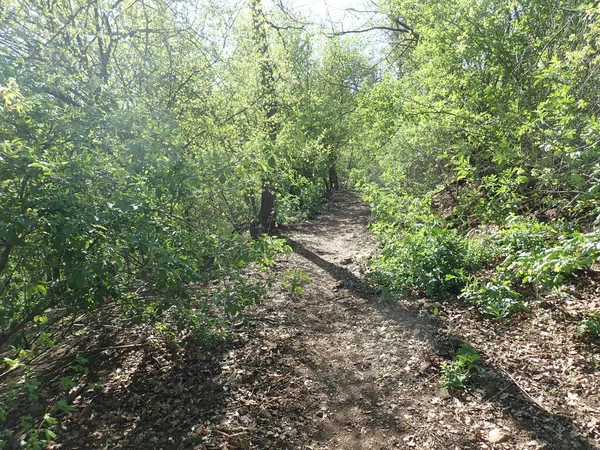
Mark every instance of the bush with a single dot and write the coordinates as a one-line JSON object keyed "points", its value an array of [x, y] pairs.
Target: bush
{"points": [[305, 202], [551, 266], [590, 326], [523, 234], [431, 260]]}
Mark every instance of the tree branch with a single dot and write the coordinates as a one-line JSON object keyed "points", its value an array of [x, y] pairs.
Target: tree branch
{"points": [[401, 29]]}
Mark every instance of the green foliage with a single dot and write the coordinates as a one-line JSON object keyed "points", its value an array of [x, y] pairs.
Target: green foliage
{"points": [[521, 234], [134, 151], [551, 266], [132, 177], [464, 365], [589, 328], [294, 281], [431, 260], [460, 136], [494, 298], [305, 201], [38, 430], [420, 253]]}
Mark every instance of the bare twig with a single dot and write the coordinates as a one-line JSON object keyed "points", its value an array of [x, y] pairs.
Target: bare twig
{"points": [[529, 396]]}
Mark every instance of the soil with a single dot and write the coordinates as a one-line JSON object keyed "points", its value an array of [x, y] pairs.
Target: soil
{"points": [[340, 367]]}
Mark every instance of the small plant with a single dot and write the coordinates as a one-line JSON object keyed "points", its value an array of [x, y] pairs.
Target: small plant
{"points": [[465, 364], [494, 298], [523, 234], [590, 326], [26, 413], [294, 281]]}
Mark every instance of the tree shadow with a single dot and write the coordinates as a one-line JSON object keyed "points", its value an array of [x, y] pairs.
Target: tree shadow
{"points": [[350, 404], [150, 397], [340, 273], [555, 430]]}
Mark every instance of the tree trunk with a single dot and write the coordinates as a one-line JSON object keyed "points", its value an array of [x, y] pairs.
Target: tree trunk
{"points": [[266, 214], [333, 179], [4, 256], [265, 220]]}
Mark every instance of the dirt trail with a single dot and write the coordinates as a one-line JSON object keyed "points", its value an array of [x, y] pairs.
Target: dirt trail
{"points": [[347, 364], [338, 369], [348, 361], [333, 368]]}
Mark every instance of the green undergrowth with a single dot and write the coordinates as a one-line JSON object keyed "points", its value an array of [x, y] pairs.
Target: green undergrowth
{"points": [[460, 370], [499, 267]]}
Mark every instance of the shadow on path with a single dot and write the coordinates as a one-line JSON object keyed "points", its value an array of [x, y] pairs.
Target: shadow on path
{"points": [[556, 431], [338, 272]]}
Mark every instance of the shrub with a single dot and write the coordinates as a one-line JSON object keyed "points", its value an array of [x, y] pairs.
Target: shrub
{"points": [[305, 202], [523, 234], [590, 326], [550, 266], [465, 364], [494, 298], [431, 260]]}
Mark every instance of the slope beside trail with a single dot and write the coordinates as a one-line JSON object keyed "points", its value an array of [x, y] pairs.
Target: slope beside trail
{"points": [[333, 368]]}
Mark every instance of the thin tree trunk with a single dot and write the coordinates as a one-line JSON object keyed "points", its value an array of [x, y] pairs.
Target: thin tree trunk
{"points": [[265, 219], [4, 256], [333, 179]]}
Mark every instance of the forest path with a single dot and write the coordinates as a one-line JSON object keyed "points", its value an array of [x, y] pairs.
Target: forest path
{"points": [[348, 363], [344, 370], [333, 368], [346, 357]]}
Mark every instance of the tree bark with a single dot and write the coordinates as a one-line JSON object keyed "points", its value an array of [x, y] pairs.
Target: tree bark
{"points": [[333, 179]]}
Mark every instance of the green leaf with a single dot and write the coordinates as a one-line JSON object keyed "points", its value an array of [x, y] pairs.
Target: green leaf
{"points": [[271, 162], [50, 421], [38, 165], [40, 319], [11, 362], [63, 406], [13, 238], [41, 289], [50, 435]]}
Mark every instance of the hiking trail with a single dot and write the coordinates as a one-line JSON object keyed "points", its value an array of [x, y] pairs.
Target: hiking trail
{"points": [[332, 368]]}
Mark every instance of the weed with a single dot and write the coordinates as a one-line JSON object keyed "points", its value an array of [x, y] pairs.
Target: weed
{"points": [[465, 364], [494, 298], [590, 326]]}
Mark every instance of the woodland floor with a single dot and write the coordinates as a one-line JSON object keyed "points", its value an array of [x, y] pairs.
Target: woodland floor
{"points": [[337, 368]]}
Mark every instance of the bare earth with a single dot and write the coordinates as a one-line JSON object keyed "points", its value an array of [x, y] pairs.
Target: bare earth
{"points": [[333, 368]]}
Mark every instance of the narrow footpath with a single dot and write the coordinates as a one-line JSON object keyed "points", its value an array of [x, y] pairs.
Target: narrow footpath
{"points": [[337, 368], [333, 368]]}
